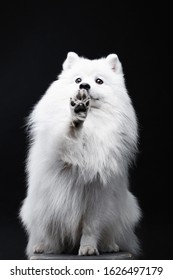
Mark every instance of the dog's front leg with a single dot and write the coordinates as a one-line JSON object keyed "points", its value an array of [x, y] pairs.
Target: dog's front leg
{"points": [[88, 243]]}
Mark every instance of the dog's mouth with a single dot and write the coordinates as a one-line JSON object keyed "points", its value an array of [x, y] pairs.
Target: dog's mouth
{"points": [[95, 102], [95, 99], [92, 97]]}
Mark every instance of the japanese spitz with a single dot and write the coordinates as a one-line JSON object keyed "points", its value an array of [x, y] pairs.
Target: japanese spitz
{"points": [[83, 139]]}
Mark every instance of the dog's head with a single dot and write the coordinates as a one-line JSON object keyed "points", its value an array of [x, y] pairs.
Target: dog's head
{"points": [[100, 77]]}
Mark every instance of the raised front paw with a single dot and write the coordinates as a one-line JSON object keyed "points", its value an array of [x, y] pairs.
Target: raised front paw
{"points": [[79, 106], [88, 250]]}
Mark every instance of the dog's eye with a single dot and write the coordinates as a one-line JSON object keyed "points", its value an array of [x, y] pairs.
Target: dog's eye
{"points": [[99, 81], [78, 80]]}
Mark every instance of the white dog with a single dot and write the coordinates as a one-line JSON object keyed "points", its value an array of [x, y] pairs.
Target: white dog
{"points": [[83, 138]]}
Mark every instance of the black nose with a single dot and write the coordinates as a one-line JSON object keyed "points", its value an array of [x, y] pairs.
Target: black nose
{"points": [[84, 86]]}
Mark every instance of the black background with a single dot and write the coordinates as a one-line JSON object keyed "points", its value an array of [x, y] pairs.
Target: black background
{"points": [[34, 41]]}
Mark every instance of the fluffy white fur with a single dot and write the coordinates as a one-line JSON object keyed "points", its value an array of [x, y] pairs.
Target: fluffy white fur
{"points": [[78, 194]]}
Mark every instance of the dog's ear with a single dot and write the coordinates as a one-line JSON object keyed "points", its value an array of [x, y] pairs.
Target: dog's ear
{"points": [[114, 63], [71, 58]]}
